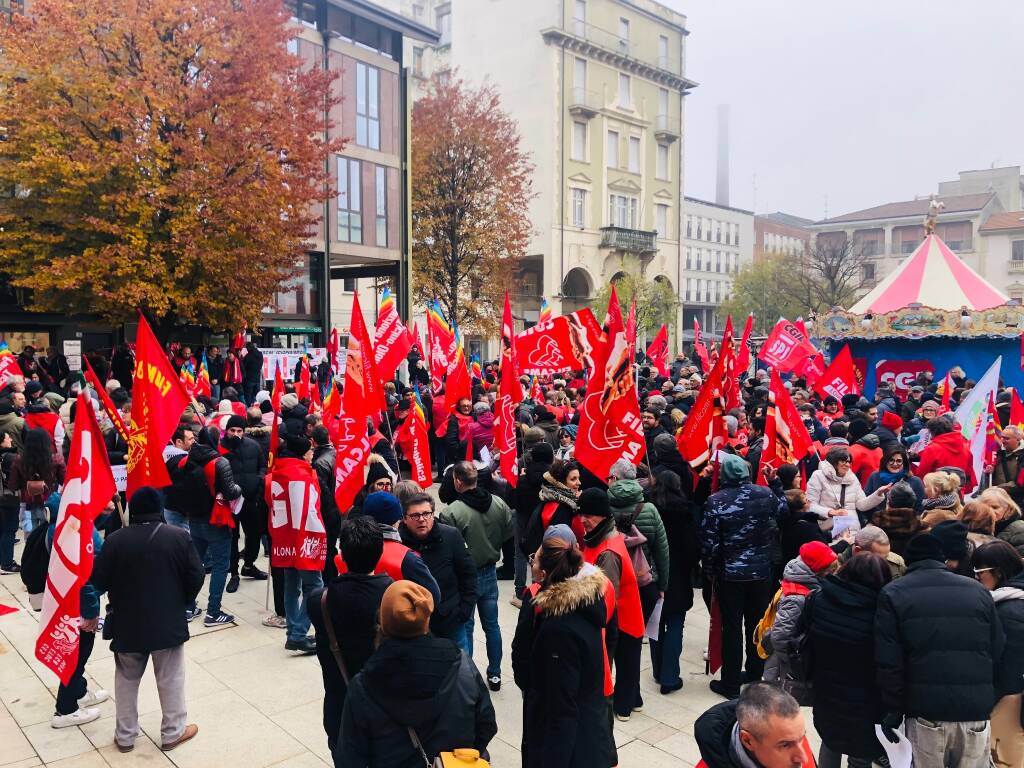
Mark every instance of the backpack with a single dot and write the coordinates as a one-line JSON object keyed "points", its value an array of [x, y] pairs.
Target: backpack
{"points": [[35, 560], [764, 626], [641, 567]]}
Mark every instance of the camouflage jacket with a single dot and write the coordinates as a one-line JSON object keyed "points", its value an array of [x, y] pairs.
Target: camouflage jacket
{"points": [[737, 530]]}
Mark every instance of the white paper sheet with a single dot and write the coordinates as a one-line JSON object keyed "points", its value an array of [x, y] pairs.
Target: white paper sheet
{"points": [[901, 754], [653, 628], [841, 523]]}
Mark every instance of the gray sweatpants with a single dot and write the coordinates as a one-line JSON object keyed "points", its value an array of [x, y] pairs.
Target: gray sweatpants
{"points": [[949, 744], [169, 668]]}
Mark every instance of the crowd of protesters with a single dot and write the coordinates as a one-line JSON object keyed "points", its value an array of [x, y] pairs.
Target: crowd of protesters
{"points": [[878, 581]]}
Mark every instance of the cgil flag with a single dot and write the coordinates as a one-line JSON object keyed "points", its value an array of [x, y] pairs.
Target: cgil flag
{"points": [[704, 430], [441, 341], [786, 347], [657, 351], [510, 394], [567, 342], [158, 400], [840, 378], [88, 486], [8, 365], [391, 341], [786, 439]]}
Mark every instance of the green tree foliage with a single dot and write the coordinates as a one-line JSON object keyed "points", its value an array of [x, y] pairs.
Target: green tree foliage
{"points": [[656, 302]]}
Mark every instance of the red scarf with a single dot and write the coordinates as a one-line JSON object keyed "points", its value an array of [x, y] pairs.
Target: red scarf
{"points": [[297, 532]]}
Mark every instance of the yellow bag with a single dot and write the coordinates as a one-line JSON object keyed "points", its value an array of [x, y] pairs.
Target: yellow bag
{"points": [[461, 758], [764, 626]]}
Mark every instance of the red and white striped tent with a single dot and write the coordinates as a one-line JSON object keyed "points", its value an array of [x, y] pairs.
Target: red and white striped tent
{"points": [[934, 277]]}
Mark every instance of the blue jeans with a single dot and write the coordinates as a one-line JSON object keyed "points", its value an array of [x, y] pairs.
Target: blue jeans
{"points": [[215, 541], [665, 651], [487, 604], [297, 586], [215, 393], [176, 519]]}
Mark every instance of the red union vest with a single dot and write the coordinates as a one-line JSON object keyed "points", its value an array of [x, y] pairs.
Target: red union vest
{"points": [[631, 615], [390, 560], [548, 511], [609, 603]]}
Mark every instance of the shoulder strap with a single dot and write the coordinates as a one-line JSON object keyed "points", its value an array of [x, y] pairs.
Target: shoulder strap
{"points": [[842, 496], [332, 637], [419, 746]]}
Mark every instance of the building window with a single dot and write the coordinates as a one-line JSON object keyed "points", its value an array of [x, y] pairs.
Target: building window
{"points": [[661, 221], [622, 211], [624, 100], [661, 166], [579, 17], [1017, 250], [293, 42], [689, 226], [367, 106], [579, 141], [417, 11], [700, 224], [348, 284], [718, 231], [869, 272], [350, 221], [417, 61], [663, 51], [634, 154], [613, 149], [624, 35], [689, 288], [579, 207], [579, 76], [381, 181], [444, 26], [736, 237], [688, 259], [663, 103]]}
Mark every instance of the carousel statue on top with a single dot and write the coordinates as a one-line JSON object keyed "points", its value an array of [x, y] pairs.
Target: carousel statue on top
{"points": [[934, 209]]}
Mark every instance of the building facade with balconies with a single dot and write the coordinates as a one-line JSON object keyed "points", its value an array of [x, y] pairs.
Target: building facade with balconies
{"points": [[717, 241], [884, 235], [598, 89], [780, 233]]}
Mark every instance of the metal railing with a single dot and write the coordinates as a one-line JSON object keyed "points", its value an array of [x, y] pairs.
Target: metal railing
{"points": [[631, 240], [613, 42]]}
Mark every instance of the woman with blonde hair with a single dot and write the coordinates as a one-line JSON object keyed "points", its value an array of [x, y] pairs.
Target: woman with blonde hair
{"points": [[941, 498], [1009, 526]]}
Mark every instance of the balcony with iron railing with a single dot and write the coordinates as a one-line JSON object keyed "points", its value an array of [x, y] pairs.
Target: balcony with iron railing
{"points": [[583, 103], [612, 42], [1015, 266], [666, 129], [629, 240]]}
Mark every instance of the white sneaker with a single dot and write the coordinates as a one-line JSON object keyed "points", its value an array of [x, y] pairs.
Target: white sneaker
{"points": [[81, 717], [92, 698], [706, 655]]}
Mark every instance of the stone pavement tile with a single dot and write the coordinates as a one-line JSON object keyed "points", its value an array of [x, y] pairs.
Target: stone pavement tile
{"points": [[508, 711], [305, 760], [53, 744], [305, 724], [14, 747], [638, 754], [657, 733], [88, 760], [12, 665], [198, 682], [230, 730], [145, 755], [210, 644], [28, 700], [32, 762], [270, 678], [681, 745], [502, 753]]}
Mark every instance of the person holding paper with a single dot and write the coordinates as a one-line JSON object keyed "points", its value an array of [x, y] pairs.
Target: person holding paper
{"points": [[834, 491]]}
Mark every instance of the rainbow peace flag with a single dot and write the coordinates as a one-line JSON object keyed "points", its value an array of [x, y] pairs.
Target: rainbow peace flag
{"points": [[545, 311]]}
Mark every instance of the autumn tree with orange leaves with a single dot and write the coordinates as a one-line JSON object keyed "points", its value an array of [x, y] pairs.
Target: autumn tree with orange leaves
{"points": [[470, 198], [164, 155]]}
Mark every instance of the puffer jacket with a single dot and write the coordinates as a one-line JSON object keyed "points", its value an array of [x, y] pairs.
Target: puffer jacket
{"points": [[948, 450], [1011, 530], [798, 581], [825, 492], [736, 532], [481, 432], [866, 456], [1009, 599], [626, 499], [194, 490]]}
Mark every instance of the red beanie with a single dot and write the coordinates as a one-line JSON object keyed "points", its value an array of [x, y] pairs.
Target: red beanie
{"points": [[891, 421], [818, 555]]}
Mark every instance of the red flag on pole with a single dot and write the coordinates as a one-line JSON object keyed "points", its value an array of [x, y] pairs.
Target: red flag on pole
{"points": [[699, 348], [352, 448], [947, 392], [786, 439], [1016, 411], [743, 356], [458, 385], [714, 662], [510, 394], [108, 405], [657, 351], [275, 403], [631, 325], [786, 347], [703, 431], [158, 400], [302, 385], [391, 341], [332, 349], [414, 437], [609, 427], [88, 486], [840, 378], [565, 342]]}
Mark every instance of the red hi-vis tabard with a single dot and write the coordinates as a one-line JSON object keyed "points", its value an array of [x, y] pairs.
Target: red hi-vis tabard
{"points": [[297, 530]]}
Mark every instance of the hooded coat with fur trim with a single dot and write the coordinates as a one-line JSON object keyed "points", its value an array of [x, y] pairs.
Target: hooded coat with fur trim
{"points": [[558, 661]]}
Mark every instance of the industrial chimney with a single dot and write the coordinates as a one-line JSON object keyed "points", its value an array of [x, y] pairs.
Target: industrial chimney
{"points": [[722, 184]]}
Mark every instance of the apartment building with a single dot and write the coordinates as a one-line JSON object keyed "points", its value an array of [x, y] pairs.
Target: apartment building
{"points": [[717, 241], [597, 87], [780, 233]]}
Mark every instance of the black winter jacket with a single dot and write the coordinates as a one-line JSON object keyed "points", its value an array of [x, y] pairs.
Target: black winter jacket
{"points": [[323, 465], [1009, 599], [679, 516], [424, 682], [558, 661], [840, 620], [528, 489], [353, 600], [445, 553], [261, 436], [713, 733], [248, 467], [151, 574], [194, 490], [252, 367], [938, 641]]}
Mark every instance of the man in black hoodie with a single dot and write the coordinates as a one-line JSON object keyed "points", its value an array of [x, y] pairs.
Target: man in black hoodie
{"points": [[538, 461], [485, 522], [249, 467], [414, 680]]}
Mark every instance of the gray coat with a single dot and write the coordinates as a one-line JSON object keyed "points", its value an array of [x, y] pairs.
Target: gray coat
{"points": [[785, 629]]}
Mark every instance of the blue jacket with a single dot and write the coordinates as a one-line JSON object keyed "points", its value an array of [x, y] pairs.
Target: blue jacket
{"points": [[90, 596], [737, 531]]}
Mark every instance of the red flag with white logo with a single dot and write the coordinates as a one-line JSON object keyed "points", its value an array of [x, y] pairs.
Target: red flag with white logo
{"points": [[743, 356], [840, 378], [88, 486], [352, 448], [414, 437], [567, 342], [297, 534], [391, 342], [657, 351], [609, 427], [786, 439], [510, 394], [704, 430], [786, 347]]}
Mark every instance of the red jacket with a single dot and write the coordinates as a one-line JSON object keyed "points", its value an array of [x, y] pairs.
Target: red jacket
{"points": [[948, 450], [864, 461]]}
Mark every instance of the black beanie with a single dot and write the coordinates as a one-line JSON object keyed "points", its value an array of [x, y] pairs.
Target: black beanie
{"points": [[543, 453], [858, 428], [145, 505], [378, 471], [594, 501], [234, 420], [923, 546], [297, 445], [952, 535], [266, 406]]}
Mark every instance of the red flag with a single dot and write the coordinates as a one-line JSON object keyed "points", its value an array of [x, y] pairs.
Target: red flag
{"points": [[657, 351], [390, 337], [568, 342], [108, 405], [314, 398], [786, 347], [352, 448], [730, 380], [302, 385], [238, 341], [442, 350], [786, 439], [609, 427], [414, 338], [458, 385], [631, 325], [743, 357], [947, 392], [88, 486], [1016, 411], [510, 394], [840, 378], [714, 662], [992, 428], [297, 534], [275, 402], [414, 438], [704, 431], [332, 349], [8, 365], [699, 348], [158, 400]]}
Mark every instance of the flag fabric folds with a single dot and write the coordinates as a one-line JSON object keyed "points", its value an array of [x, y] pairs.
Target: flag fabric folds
{"points": [[973, 416], [700, 348], [510, 394], [414, 437], [88, 486], [657, 351], [441, 341], [743, 356], [786, 347], [275, 403], [108, 405], [786, 439], [8, 364], [840, 378], [1016, 411], [567, 342], [391, 342], [704, 430]]}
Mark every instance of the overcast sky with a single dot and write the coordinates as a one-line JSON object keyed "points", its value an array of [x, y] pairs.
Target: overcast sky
{"points": [[850, 105]]}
